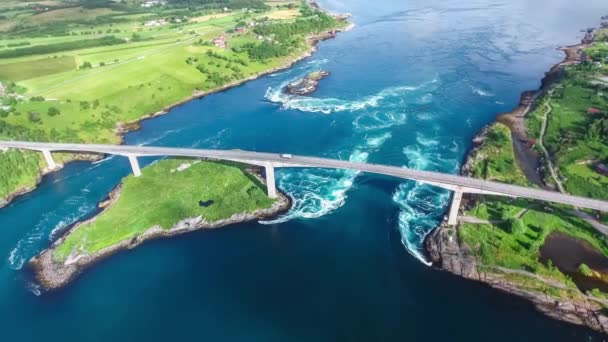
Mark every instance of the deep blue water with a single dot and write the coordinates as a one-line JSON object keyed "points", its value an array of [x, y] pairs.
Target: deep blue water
{"points": [[410, 86]]}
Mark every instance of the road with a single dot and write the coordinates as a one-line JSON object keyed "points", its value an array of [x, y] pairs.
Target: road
{"points": [[447, 181]]}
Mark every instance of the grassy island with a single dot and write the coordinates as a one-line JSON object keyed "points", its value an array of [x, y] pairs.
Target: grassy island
{"points": [[168, 192], [172, 196], [85, 71]]}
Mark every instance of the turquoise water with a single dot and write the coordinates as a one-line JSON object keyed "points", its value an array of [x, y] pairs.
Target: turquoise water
{"points": [[410, 86]]}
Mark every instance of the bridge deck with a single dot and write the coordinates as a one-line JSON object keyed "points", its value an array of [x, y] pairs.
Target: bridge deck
{"points": [[448, 181]]}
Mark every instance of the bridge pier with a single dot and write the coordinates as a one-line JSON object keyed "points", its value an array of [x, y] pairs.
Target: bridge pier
{"points": [[134, 165], [455, 206], [270, 182], [50, 162]]}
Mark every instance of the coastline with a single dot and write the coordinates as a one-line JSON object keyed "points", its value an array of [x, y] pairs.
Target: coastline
{"points": [[448, 253], [53, 275], [130, 126]]}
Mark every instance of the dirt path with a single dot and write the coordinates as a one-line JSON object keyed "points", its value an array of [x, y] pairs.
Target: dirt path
{"points": [[540, 142]]}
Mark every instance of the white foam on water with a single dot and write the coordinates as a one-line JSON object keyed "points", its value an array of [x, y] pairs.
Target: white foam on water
{"points": [[421, 207], [317, 192], [160, 137], [377, 141], [425, 141], [378, 121], [34, 288], [425, 116], [333, 105], [481, 92], [51, 224]]}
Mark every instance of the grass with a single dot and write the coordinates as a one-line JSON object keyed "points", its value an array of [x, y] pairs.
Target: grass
{"points": [[20, 71], [574, 138], [176, 197], [501, 245], [495, 159]]}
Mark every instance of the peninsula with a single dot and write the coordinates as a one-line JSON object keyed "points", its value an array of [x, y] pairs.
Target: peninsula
{"points": [[557, 138]]}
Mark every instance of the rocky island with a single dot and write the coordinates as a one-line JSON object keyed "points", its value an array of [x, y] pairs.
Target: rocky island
{"points": [[193, 195], [306, 85]]}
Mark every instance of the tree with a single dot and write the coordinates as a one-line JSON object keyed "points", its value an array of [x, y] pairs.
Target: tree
{"points": [[33, 116], [52, 111]]}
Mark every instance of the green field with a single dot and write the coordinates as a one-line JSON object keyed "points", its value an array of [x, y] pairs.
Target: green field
{"points": [[19, 71], [576, 139], [176, 197], [517, 228], [502, 166], [74, 74]]}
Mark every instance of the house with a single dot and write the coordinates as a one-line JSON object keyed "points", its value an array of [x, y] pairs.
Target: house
{"points": [[151, 3], [220, 42], [593, 111], [602, 169], [155, 23]]}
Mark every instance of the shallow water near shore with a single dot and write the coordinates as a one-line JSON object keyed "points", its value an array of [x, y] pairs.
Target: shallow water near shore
{"points": [[410, 86]]}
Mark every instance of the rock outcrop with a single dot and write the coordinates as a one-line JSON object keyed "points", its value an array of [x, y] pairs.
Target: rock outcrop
{"points": [[306, 85]]}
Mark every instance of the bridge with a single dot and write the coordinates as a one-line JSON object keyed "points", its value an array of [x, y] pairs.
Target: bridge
{"points": [[270, 161]]}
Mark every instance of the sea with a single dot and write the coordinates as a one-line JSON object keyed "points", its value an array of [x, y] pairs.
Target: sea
{"points": [[410, 86]]}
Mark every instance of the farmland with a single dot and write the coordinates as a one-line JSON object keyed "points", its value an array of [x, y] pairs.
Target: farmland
{"points": [[75, 72]]}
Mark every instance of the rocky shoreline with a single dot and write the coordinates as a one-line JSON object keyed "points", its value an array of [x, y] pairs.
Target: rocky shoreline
{"points": [[130, 126], [51, 274], [449, 254]]}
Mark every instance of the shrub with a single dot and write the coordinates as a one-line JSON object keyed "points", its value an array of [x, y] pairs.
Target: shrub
{"points": [[585, 270], [33, 116], [52, 111]]}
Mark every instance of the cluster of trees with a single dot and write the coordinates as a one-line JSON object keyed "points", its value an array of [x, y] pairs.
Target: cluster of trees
{"points": [[282, 31], [212, 54], [58, 47], [598, 129], [265, 50], [286, 36], [220, 4]]}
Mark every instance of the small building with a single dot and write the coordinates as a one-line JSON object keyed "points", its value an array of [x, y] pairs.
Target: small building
{"points": [[220, 42], [602, 169], [593, 111], [240, 30]]}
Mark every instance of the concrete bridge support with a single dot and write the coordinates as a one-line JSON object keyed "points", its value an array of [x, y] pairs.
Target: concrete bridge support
{"points": [[134, 165], [50, 162], [453, 216], [270, 182]]}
